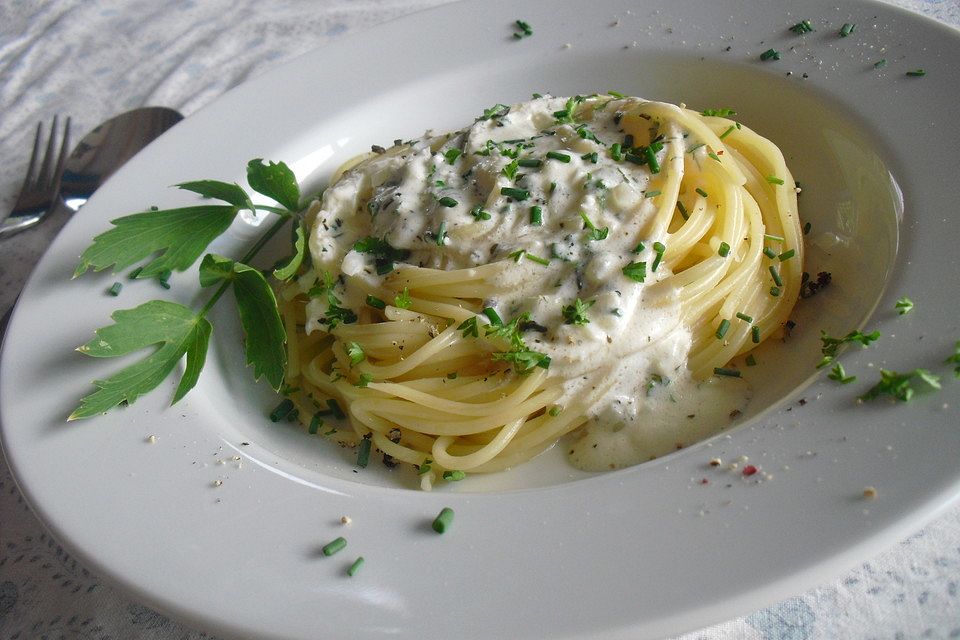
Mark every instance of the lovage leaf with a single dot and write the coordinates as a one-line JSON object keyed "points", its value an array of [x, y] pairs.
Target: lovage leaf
{"points": [[265, 338], [274, 180], [288, 270], [179, 235], [227, 191], [175, 328]]}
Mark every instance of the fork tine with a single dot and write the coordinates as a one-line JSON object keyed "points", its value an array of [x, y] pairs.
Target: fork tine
{"points": [[62, 158], [33, 157], [44, 177]]}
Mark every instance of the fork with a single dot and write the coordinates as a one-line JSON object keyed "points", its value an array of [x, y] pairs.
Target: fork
{"points": [[39, 190]]}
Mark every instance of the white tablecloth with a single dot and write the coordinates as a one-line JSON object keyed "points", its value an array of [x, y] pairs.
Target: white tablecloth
{"points": [[95, 58]]}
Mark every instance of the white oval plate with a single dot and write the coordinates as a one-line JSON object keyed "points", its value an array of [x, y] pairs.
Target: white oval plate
{"points": [[540, 553]]}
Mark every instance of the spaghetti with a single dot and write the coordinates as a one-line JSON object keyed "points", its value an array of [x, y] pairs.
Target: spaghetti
{"points": [[474, 296]]}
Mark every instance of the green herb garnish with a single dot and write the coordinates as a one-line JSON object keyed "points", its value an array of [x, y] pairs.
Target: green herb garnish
{"points": [[524, 30], [840, 375], [904, 306], [900, 386], [576, 313], [636, 271], [172, 240], [831, 345]]}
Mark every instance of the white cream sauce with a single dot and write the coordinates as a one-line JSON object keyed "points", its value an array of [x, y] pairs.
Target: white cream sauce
{"points": [[441, 198]]}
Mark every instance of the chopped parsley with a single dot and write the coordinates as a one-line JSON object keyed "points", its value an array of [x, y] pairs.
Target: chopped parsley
{"points": [[636, 271], [904, 306], [384, 254], [840, 375], [576, 313], [402, 299], [355, 353], [900, 386], [830, 345]]}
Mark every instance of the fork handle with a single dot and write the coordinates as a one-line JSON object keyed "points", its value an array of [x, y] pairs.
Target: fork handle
{"points": [[15, 224]]}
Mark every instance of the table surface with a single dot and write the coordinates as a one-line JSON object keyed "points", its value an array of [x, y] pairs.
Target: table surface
{"points": [[94, 58]]}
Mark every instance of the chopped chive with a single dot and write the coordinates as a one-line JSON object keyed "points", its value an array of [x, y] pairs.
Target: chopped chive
{"points": [[441, 234], [556, 155], [315, 423], [114, 289], [638, 249], [537, 259], [454, 476], [770, 253], [334, 546], [616, 152], [919, 73], [683, 210], [164, 279], [727, 132], [335, 407], [491, 314], [775, 292], [628, 141], [282, 410], [524, 29], [355, 566], [774, 180], [777, 280], [713, 155], [724, 250], [591, 157], [536, 215], [701, 192], [443, 520], [744, 317], [652, 194], [847, 29], [786, 255], [133, 275], [447, 201], [530, 163], [451, 155], [770, 54], [652, 160], [755, 334], [802, 27], [751, 361], [516, 194], [363, 452], [635, 159], [554, 411], [879, 64], [730, 373], [773, 238], [659, 248], [723, 328], [376, 303]]}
